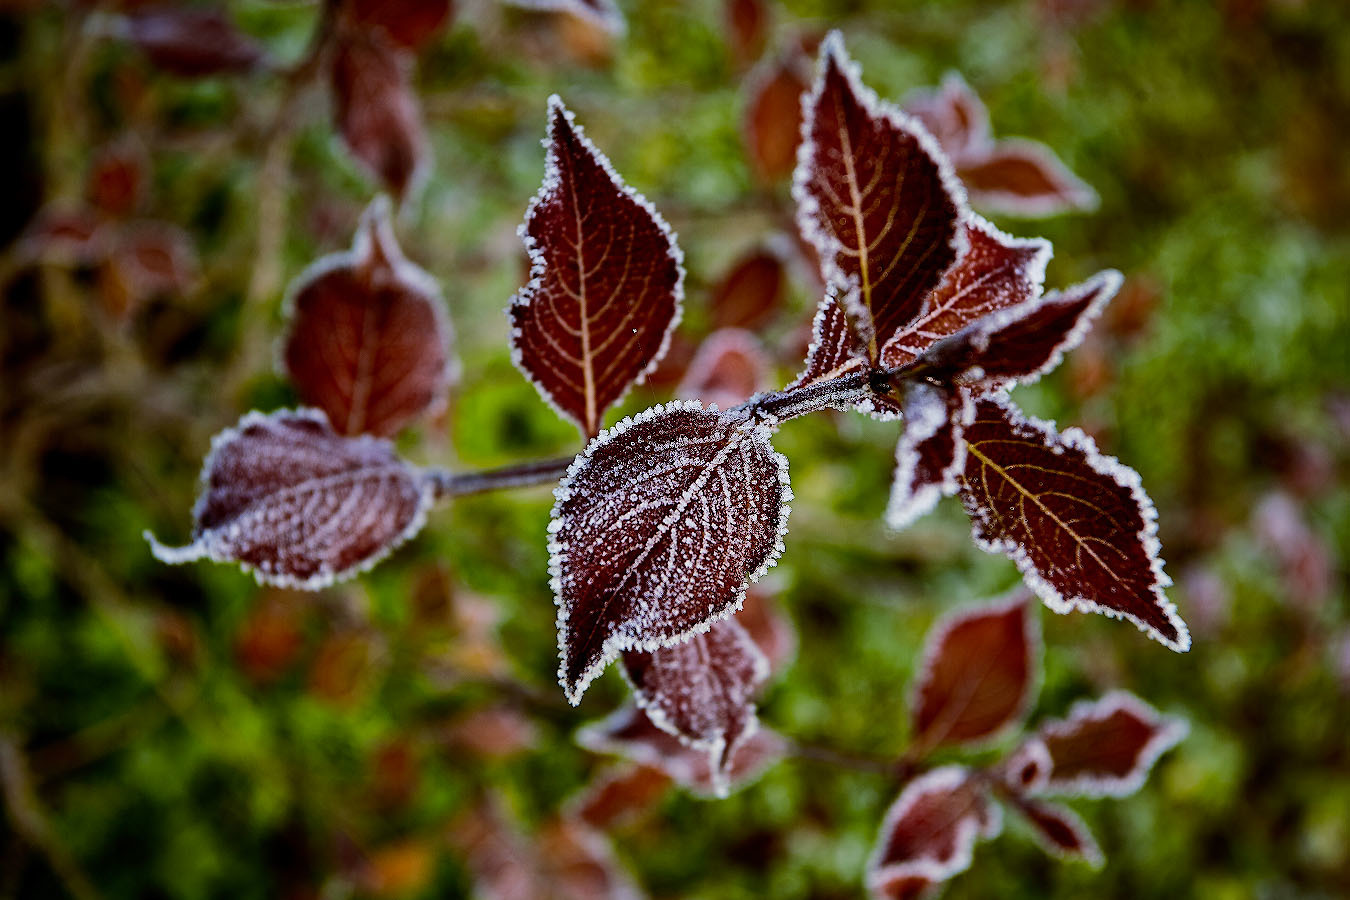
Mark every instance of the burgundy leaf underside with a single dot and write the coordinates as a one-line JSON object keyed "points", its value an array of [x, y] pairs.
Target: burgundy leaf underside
{"points": [[1059, 830], [1106, 747], [729, 368], [302, 506], [1076, 523], [875, 197], [606, 281], [931, 452], [657, 528], [977, 675], [367, 343]]}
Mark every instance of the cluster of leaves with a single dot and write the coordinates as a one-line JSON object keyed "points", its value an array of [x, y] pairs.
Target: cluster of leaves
{"points": [[930, 315]]}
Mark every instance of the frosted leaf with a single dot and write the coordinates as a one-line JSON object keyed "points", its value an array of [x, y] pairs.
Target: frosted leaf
{"points": [[751, 294], [618, 795], [1026, 769], [376, 109], [657, 529], [1076, 522], [409, 23], [835, 350], [702, 690], [368, 336], [192, 42], [1018, 345], [995, 272], [1024, 178], [629, 733], [299, 505], [1106, 747], [931, 453], [977, 676], [1059, 830], [606, 281], [929, 833], [729, 368], [954, 115], [773, 113], [876, 197]]}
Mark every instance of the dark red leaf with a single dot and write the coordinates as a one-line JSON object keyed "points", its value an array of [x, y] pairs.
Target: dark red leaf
{"points": [[1018, 345], [931, 453], [629, 733], [748, 23], [769, 627], [1024, 178], [729, 368], [1107, 747], [154, 258], [299, 505], [619, 795], [376, 109], [606, 282], [116, 181], [1026, 769], [65, 236], [192, 42], [410, 23], [752, 293], [602, 13], [876, 197], [702, 690], [835, 350], [492, 732], [954, 115], [1059, 830], [977, 675], [368, 341], [773, 114], [1076, 522], [929, 832], [995, 272], [658, 526]]}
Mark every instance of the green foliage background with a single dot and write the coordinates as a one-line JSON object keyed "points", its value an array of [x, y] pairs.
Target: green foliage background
{"points": [[158, 765]]}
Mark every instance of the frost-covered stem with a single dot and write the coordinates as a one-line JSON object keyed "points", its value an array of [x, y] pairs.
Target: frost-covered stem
{"points": [[846, 390], [452, 484]]}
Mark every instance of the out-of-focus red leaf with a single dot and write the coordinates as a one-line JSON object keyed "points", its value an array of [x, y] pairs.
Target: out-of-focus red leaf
{"points": [[376, 109], [954, 115], [368, 341], [395, 774], [266, 644], [301, 506], [116, 180], [192, 42], [1059, 831], [769, 627], [147, 259], [729, 368], [929, 832], [747, 24], [494, 732], [701, 498], [876, 197], [344, 667], [1107, 747], [619, 795], [773, 114], [1076, 522], [1305, 560], [604, 14], [66, 237], [606, 282], [673, 365], [410, 23], [1024, 178], [978, 671], [751, 294]]}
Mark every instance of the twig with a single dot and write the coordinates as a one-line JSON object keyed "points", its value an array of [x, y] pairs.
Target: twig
{"points": [[450, 484]]}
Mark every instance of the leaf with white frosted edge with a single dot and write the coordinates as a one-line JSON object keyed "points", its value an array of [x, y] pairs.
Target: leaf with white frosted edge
{"points": [[929, 832], [931, 453], [1076, 522], [658, 527], [376, 109], [1024, 178], [996, 272], [606, 281], [954, 115], [729, 368], [1059, 830], [300, 505], [1027, 769], [604, 13], [1106, 747], [628, 732], [702, 690], [876, 197], [1019, 345], [773, 111], [368, 335], [618, 795], [977, 676], [835, 350]]}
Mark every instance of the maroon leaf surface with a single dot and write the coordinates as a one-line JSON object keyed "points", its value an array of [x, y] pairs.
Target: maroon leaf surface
{"points": [[299, 505], [619, 795], [117, 178], [657, 529], [629, 733], [834, 350], [747, 24], [702, 690], [995, 272], [192, 42], [1075, 521], [955, 116], [769, 627], [409, 23], [931, 453], [729, 368], [751, 294], [368, 341], [876, 198], [603, 13], [1059, 831], [1024, 178], [773, 113], [1106, 747], [376, 109], [977, 676], [606, 281], [929, 832]]}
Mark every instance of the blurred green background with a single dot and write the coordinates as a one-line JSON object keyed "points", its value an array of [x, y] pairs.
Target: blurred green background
{"points": [[181, 732]]}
